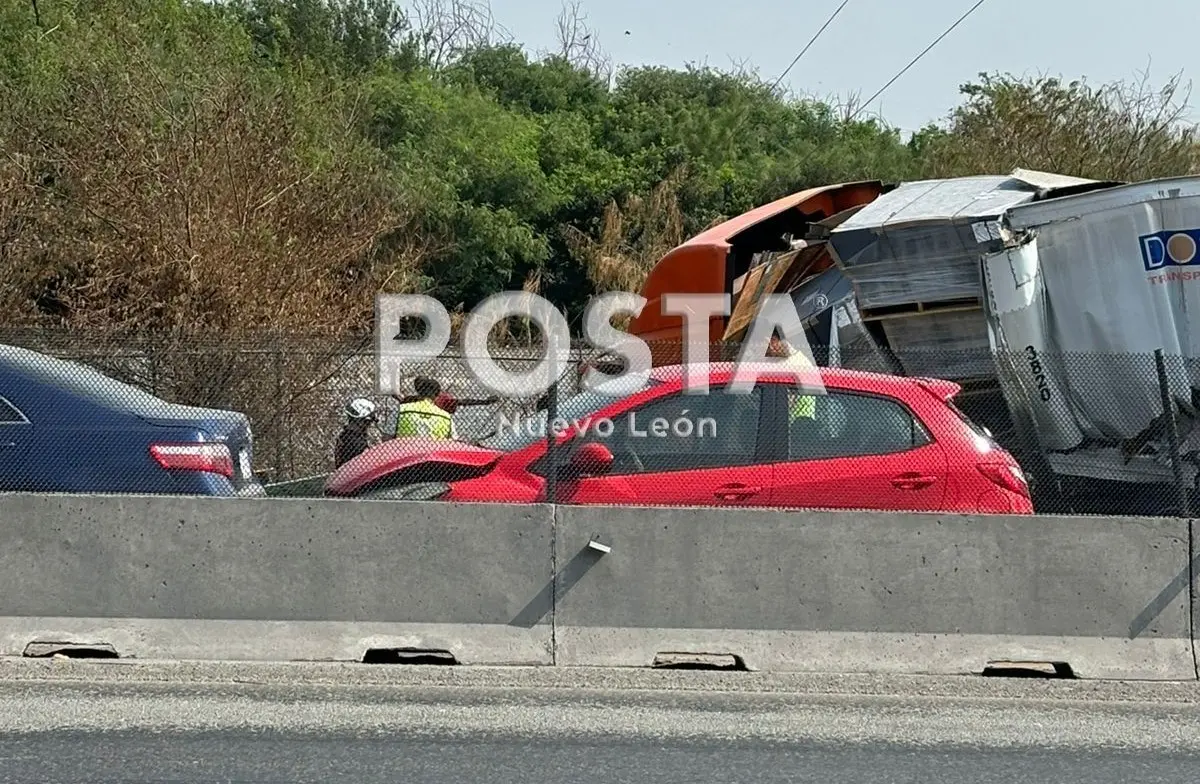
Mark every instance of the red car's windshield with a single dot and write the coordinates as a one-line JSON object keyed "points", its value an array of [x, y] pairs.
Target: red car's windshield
{"points": [[509, 436]]}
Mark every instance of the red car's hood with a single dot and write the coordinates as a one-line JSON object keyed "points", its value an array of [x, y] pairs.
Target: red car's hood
{"points": [[400, 453]]}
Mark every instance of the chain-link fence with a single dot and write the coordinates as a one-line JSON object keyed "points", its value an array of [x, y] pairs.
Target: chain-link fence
{"points": [[1084, 433]]}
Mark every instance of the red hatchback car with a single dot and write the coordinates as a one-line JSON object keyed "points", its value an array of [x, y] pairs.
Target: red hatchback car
{"points": [[867, 441]]}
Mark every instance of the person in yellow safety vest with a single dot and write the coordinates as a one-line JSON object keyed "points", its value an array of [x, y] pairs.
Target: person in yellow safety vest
{"points": [[423, 417], [802, 406]]}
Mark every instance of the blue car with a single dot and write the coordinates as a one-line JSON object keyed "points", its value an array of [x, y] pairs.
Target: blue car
{"points": [[68, 428]]}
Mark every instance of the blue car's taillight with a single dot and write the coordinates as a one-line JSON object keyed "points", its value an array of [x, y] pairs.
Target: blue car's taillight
{"points": [[209, 458]]}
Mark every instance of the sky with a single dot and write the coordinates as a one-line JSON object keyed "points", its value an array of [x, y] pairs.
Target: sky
{"points": [[870, 41]]}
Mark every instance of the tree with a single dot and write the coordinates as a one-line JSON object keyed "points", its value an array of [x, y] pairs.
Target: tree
{"points": [[350, 36], [168, 161], [447, 30], [578, 45], [1115, 131]]}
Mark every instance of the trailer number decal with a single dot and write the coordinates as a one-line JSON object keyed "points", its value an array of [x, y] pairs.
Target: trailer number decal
{"points": [[1035, 367]]}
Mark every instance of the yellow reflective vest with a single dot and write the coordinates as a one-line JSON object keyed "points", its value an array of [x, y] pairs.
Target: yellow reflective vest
{"points": [[803, 406], [423, 418]]}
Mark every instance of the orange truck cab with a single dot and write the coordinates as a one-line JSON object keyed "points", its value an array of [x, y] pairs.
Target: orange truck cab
{"points": [[719, 259]]}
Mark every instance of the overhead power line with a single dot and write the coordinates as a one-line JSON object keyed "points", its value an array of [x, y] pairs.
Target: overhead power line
{"points": [[917, 59], [811, 41]]}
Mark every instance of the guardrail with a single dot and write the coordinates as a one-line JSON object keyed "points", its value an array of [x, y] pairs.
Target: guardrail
{"points": [[321, 579]]}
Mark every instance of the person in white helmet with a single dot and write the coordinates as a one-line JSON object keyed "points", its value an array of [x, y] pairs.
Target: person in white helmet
{"points": [[357, 434]]}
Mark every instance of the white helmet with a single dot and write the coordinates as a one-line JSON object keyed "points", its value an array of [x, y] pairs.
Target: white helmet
{"points": [[360, 408]]}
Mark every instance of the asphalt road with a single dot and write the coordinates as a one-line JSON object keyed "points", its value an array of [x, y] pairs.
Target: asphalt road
{"points": [[358, 724]]}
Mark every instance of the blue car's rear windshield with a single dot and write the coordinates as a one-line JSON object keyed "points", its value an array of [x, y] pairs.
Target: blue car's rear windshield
{"points": [[80, 380]]}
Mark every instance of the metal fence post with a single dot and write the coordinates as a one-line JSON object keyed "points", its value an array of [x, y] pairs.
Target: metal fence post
{"points": [[1172, 432], [152, 355], [551, 443], [277, 363]]}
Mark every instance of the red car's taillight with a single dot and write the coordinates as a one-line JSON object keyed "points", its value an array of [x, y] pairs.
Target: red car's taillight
{"points": [[210, 458], [1006, 475]]}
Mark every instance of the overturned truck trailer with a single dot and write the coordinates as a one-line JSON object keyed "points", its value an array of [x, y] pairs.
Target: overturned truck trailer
{"points": [[1087, 289], [913, 257]]}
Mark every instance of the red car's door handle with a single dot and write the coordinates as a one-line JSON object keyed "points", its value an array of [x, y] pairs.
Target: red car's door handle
{"points": [[736, 492], [913, 481]]}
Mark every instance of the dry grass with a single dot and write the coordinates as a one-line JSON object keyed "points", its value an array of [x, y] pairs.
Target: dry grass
{"points": [[634, 235], [153, 214]]}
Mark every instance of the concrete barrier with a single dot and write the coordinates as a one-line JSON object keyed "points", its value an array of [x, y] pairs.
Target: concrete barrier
{"points": [[294, 579], [274, 579], [869, 592], [1192, 588]]}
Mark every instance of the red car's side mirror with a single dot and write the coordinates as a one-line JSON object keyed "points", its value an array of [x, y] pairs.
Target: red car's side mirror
{"points": [[590, 459]]}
